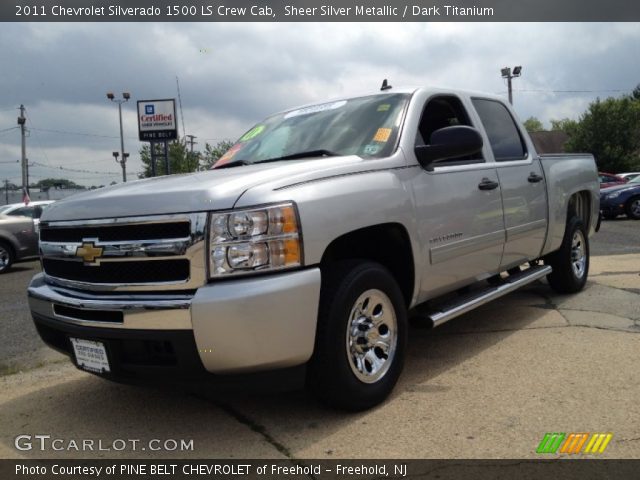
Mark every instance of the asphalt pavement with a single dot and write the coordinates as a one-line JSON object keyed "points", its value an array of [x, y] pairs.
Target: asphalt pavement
{"points": [[489, 384]]}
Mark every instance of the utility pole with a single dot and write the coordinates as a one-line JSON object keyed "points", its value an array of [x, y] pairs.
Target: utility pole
{"points": [[506, 73], [191, 141], [6, 191], [25, 172]]}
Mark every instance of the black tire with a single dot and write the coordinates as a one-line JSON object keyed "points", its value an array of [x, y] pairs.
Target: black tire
{"points": [[632, 208], [334, 375], [6, 257], [569, 274]]}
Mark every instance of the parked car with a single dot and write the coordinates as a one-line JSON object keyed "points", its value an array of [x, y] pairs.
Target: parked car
{"points": [[629, 175], [609, 180], [33, 209], [621, 200], [18, 240], [298, 258]]}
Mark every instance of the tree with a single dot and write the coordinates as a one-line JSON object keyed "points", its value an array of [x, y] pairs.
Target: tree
{"points": [[565, 125], [213, 153], [610, 130], [180, 160], [56, 183], [532, 124]]}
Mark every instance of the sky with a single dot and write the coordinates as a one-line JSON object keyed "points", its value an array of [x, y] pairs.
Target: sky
{"points": [[232, 75]]}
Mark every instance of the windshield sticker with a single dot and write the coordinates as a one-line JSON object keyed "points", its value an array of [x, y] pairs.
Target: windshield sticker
{"points": [[254, 132], [228, 156], [384, 107], [382, 135], [371, 149], [316, 108]]}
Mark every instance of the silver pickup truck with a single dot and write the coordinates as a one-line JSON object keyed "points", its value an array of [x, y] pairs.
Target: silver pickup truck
{"points": [[299, 258]]}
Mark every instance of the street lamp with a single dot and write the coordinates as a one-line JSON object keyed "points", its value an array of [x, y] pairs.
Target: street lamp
{"points": [[125, 98], [508, 74]]}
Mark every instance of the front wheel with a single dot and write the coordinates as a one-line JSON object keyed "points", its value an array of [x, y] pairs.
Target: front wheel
{"points": [[571, 262], [361, 337]]}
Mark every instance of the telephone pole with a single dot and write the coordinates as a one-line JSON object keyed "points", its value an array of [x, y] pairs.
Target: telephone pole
{"points": [[25, 168], [6, 191], [191, 141]]}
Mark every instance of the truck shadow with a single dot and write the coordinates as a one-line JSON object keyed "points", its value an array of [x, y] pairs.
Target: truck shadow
{"points": [[266, 426]]}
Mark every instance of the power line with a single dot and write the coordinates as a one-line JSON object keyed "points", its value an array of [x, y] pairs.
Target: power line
{"points": [[76, 170], [8, 129], [82, 134]]}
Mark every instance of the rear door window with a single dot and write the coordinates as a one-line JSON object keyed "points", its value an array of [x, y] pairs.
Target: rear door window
{"points": [[504, 136]]}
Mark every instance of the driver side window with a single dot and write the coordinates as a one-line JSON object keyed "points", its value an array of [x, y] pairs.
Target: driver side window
{"points": [[441, 112]]}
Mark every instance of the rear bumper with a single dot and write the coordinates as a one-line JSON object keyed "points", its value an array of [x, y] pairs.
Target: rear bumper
{"points": [[238, 326]]}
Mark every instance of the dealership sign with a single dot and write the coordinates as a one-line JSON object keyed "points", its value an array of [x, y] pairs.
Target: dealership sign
{"points": [[157, 120]]}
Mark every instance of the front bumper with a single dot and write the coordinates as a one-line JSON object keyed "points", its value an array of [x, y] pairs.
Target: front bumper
{"points": [[236, 326]]}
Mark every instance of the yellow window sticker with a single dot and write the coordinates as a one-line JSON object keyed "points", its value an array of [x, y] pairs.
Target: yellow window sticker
{"points": [[384, 107], [382, 135], [254, 132]]}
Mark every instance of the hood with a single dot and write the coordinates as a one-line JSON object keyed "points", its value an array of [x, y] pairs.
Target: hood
{"points": [[620, 188], [195, 192]]}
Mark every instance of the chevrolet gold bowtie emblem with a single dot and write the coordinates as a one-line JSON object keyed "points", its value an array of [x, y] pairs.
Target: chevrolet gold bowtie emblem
{"points": [[89, 252]]}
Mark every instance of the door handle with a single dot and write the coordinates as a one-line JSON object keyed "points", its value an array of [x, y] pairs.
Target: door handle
{"points": [[535, 178], [487, 184]]}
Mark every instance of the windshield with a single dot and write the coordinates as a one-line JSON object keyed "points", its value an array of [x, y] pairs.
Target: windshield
{"points": [[4, 209], [634, 180], [365, 126]]}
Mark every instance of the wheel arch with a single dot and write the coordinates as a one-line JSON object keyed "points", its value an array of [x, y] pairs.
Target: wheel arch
{"points": [[387, 243]]}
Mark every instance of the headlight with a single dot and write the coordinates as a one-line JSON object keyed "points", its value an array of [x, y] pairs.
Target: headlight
{"points": [[611, 196], [254, 240]]}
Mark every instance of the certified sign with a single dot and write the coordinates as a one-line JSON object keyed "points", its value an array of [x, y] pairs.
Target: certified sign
{"points": [[157, 120]]}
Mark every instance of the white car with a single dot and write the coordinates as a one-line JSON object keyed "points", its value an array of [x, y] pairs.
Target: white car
{"points": [[32, 210], [629, 175]]}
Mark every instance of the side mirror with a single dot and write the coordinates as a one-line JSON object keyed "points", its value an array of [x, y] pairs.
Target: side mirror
{"points": [[449, 142]]}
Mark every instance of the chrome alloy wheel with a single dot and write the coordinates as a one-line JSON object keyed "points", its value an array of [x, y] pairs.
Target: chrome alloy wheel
{"points": [[578, 254], [635, 207], [372, 336], [4, 258]]}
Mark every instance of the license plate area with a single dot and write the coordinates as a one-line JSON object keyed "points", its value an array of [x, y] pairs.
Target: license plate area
{"points": [[90, 355]]}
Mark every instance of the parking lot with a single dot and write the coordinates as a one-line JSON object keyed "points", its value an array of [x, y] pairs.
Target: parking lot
{"points": [[489, 384]]}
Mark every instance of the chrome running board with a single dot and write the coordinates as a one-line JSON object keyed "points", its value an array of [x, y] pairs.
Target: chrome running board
{"points": [[444, 313]]}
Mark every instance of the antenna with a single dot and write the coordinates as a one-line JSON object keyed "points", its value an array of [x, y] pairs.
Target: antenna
{"points": [[184, 129], [385, 85]]}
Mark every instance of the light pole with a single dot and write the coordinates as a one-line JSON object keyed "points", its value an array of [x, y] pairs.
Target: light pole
{"points": [[125, 98], [508, 74]]}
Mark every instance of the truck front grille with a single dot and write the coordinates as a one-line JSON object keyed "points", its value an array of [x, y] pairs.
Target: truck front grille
{"points": [[149, 231], [159, 271], [126, 254]]}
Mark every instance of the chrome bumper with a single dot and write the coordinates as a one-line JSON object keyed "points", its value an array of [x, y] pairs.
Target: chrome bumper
{"points": [[242, 325]]}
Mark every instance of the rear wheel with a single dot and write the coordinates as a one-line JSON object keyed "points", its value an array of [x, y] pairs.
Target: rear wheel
{"points": [[571, 262], [361, 337], [632, 208], [6, 257]]}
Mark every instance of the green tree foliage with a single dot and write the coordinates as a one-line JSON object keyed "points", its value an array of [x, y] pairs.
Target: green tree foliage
{"points": [[610, 130], [181, 160], [532, 124], [213, 152], [566, 125], [56, 183]]}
